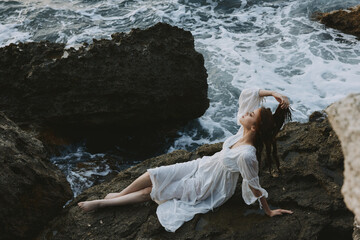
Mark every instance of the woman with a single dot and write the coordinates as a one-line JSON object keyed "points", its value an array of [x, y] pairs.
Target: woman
{"points": [[185, 189]]}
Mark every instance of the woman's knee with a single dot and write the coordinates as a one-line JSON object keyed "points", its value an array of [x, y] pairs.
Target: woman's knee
{"points": [[146, 175], [147, 190], [145, 193]]}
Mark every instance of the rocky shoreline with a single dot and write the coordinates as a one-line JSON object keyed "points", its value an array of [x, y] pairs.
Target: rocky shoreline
{"points": [[53, 82], [148, 82], [310, 183], [312, 175]]}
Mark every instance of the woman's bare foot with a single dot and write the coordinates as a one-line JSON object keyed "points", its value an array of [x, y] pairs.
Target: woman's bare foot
{"points": [[89, 205], [111, 195]]}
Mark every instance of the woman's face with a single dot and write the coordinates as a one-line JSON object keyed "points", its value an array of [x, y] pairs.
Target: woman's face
{"points": [[250, 118]]}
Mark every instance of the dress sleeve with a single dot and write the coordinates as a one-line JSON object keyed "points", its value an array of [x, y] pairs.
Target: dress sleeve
{"points": [[249, 100], [248, 167]]}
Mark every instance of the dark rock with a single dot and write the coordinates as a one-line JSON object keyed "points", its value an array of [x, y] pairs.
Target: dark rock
{"points": [[347, 21], [147, 81], [356, 233], [317, 116], [32, 189], [310, 183]]}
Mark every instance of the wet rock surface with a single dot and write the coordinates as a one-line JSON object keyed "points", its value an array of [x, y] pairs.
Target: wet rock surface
{"points": [[345, 20], [148, 81], [32, 189], [309, 185]]}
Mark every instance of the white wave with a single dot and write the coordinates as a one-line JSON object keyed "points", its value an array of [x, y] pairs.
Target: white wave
{"points": [[10, 34]]}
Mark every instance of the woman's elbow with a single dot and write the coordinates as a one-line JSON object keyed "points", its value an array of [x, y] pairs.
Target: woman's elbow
{"points": [[257, 193]]}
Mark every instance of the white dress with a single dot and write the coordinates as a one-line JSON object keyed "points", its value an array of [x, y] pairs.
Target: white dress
{"points": [[185, 189]]}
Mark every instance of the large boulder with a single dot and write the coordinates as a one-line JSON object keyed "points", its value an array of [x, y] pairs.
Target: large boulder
{"points": [[344, 117], [309, 185], [347, 21], [146, 80], [32, 190]]}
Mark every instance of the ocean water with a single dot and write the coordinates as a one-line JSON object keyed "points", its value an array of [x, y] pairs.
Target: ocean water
{"points": [[273, 45]]}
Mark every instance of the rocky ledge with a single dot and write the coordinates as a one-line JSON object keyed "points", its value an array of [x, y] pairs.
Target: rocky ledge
{"points": [[32, 189], [149, 80], [345, 20], [310, 183]]}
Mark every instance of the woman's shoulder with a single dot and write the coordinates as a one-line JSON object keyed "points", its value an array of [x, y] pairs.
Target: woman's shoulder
{"points": [[249, 153]]}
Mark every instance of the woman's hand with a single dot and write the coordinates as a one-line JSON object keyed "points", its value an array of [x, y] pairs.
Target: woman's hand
{"points": [[278, 212], [283, 100]]}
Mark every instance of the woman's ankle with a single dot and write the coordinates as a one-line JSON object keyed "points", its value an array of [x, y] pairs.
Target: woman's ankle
{"points": [[99, 203]]}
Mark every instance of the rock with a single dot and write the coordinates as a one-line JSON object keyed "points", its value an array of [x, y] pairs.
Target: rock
{"points": [[347, 21], [356, 233], [344, 117], [316, 117], [312, 165], [147, 81], [32, 189]]}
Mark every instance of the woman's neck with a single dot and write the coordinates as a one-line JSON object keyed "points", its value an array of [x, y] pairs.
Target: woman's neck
{"points": [[248, 137]]}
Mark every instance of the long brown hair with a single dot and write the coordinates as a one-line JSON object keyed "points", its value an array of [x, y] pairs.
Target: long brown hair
{"points": [[267, 127]]}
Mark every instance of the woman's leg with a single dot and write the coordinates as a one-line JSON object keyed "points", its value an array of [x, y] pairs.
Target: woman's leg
{"points": [[142, 195], [140, 183]]}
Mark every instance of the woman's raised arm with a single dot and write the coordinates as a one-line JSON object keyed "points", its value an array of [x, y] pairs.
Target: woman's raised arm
{"points": [[283, 100]]}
